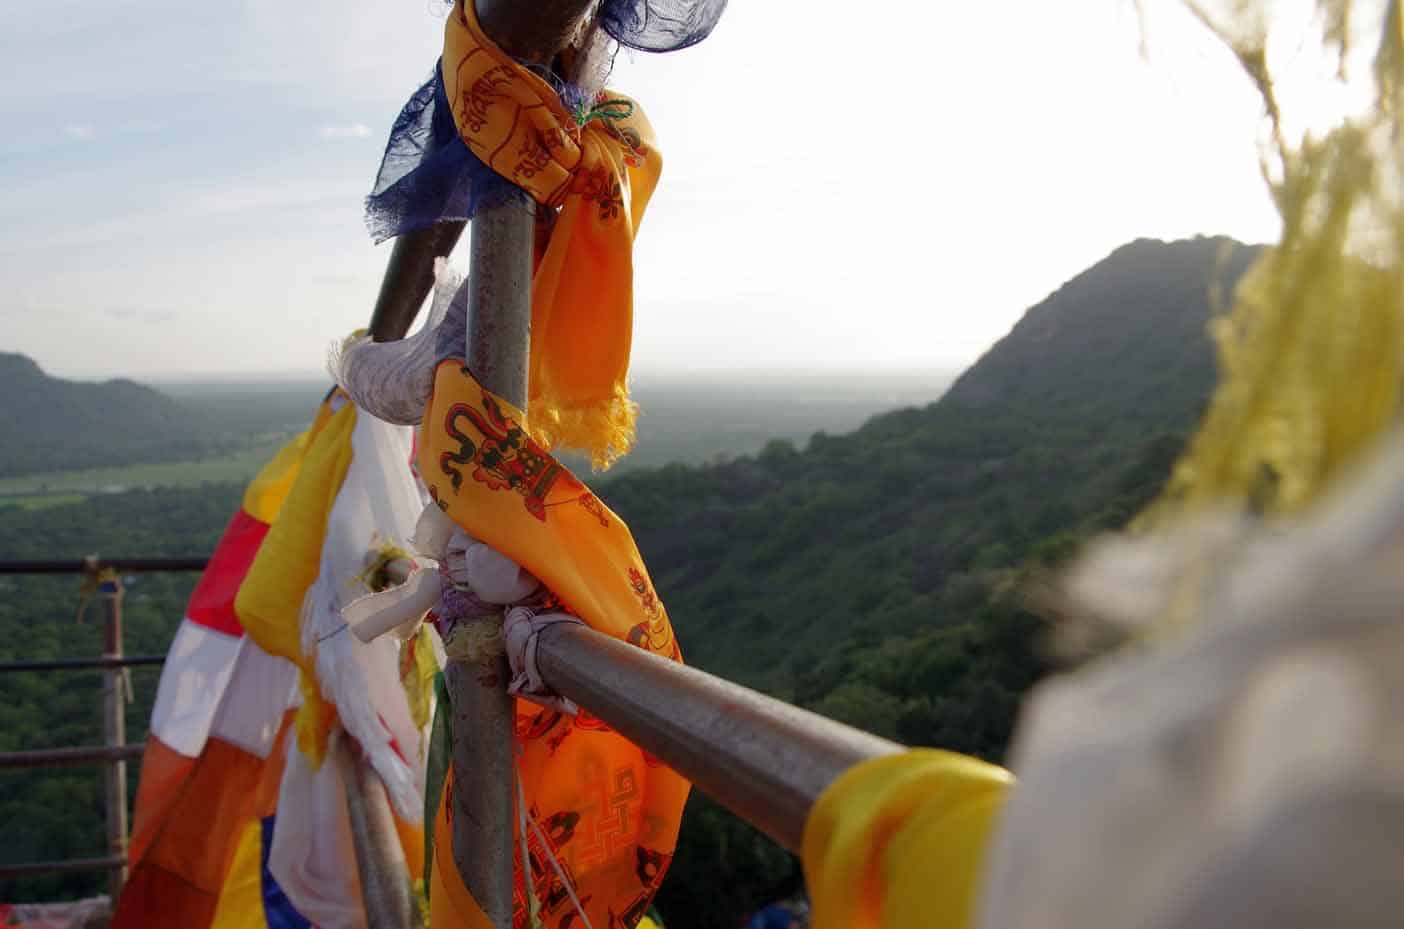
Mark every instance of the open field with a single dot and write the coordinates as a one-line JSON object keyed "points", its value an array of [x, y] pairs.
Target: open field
{"points": [[32, 490], [40, 502]]}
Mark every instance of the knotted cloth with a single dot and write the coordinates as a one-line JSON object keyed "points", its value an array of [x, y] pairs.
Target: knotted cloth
{"points": [[593, 171], [609, 811]]}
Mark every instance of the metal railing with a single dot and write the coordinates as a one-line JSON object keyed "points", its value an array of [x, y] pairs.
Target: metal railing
{"points": [[763, 759], [114, 753]]}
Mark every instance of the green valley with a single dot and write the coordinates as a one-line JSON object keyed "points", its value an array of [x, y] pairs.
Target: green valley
{"points": [[875, 575]]}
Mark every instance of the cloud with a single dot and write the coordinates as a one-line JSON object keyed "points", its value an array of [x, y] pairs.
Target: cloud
{"points": [[140, 314], [79, 133], [280, 194], [353, 131], [142, 126]]}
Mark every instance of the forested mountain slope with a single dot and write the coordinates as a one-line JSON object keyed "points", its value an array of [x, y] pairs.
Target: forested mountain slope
{"points": [[47, 423], [774, 564]]}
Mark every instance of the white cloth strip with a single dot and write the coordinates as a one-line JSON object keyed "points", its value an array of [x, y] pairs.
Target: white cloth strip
{"points": [[521, 631]]}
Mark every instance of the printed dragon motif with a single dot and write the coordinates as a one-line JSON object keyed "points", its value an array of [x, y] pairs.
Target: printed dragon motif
{"points": [[505, 458]]}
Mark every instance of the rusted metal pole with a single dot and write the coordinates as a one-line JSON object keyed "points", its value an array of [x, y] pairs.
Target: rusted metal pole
{"points": [[69, 757], [11, 871], [114, 731], [484, 779], [409, 276], [125, 565], [498, 337], [380, 861], [80, 664], [764, 760], [534, 32]]}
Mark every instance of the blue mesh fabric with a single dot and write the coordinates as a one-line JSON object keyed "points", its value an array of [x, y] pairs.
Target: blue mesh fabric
{"points": [[660, 25], [428, 175]]}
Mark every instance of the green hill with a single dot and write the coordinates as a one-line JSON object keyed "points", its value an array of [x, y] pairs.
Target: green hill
{"points": [[47, 423]]}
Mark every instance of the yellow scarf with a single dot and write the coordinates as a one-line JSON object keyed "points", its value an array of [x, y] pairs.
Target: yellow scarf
{"points": [[270, 598], [611, 811], [599, 170]]}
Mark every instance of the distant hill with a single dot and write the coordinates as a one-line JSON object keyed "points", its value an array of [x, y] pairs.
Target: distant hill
{"points": [[47, 423], [1132, 324]]}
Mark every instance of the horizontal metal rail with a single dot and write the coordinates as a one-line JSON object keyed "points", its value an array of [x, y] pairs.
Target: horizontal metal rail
{"points": [[8, 871], [124, 565], [70, 757], [80, 664], [761, 758], [765, 760]]}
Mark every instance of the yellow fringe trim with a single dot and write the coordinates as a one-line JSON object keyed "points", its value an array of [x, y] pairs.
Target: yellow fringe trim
{"points": [[477, 640], [605, 431]]}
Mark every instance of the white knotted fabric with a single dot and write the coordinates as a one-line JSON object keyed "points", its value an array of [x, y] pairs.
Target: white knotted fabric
{"points": [[491, 577], [312, 857], [521, 632], [393, 380]]}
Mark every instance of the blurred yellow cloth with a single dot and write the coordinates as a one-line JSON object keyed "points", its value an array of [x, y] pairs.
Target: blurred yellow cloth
{"points": [[899, 842], [264, 496], [270, 599], [1311, 356], [610, 812], [599, 166]]}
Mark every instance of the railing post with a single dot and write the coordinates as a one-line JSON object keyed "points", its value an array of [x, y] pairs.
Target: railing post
{"points": [[484, 785], [498, 336], [114, 729], [380, 861], [409, 276]]}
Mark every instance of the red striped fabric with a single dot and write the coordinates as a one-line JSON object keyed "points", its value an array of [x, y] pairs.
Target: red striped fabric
{"points": [[212, 603]]}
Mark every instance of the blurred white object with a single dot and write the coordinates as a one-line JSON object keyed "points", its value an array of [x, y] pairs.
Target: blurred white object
{"points": [[1245, 768]]}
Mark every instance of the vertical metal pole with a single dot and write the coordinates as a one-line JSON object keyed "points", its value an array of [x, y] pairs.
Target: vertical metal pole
{"points": [[498, 340], [409, 276], [380, 861], [484, 776], [114, 731]]}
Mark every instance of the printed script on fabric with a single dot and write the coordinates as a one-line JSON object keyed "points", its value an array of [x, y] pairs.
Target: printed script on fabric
{"points": [[488, 473]]}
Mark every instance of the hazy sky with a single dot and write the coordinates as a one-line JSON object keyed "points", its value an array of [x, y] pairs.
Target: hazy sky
{"points": [[181, 183]]}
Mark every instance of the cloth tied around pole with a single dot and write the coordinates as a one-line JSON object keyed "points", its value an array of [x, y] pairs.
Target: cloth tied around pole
{"points": [[471, 580], [581, 780], [462, 579], [522, 630], [592, 169], [427, 175]]}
